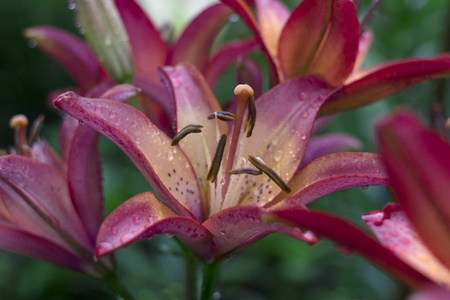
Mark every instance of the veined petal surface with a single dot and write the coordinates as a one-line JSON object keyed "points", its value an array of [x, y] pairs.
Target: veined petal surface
{"points": [[418, 164], [143, 216], [394, 231], [165, 167]]}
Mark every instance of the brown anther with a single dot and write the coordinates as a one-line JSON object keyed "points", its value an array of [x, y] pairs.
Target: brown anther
{"points": [[261, 165], [222, 115], [245, 171], [191, 128], [217, 160]]}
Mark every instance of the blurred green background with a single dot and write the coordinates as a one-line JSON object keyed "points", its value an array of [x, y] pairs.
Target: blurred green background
{"points": [[276, 267]]}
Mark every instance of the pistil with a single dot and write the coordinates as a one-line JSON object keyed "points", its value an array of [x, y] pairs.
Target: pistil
{"points": [[19, 124], [244, 93]]}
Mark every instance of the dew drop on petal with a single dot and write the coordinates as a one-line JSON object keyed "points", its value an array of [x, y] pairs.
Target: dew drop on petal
{"points": [[80, 122], [136, 220], [170, 235], [304, 136], [304, 114], [303, 96], [114, 230], [365, 187], [275, 140], [234, 18], [278, 154], [170, 155], [126, 238], [217, 295], [71, 5], [222, 232], [104, 247]]}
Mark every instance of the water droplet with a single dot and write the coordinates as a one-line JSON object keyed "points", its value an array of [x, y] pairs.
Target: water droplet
{"points": [[136, 220], [303, 96], [32, 43], [78, 25], [305, 114], [176, 83], [404, 241], [104, 247], [278, 154], [394, 233], [222, 181], [234, 18], [151, 219], [222, 232], [114, 230], [170, 155], [304, 136], [80, 122], [365, 187], [126, 237], [275, 140], [217, 295], [71, 5], [170, 235]]}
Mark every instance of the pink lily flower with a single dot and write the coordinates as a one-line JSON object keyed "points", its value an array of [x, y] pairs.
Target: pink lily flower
{"points": [[211, 199], [417, 229], [323, 38], [148, 52], [51, 206]]}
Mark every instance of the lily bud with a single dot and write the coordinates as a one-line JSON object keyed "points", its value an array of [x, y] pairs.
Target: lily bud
{"points": [[103, 28]]}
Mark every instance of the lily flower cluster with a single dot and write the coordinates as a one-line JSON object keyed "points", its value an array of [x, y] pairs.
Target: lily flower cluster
{"points": [[222, 180]]}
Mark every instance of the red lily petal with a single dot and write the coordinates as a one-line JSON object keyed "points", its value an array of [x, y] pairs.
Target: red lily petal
{"points": [[394, 231], [248, 72], [353, 238], [48, 196], [335, 172], [194, 102], [66, 131], [240, 226], [161, 164], [196, 40], [285, 116], [365, 41], [431, 293], [148, 49], [225, 56], [324, 144], [143, 216], [71, 52], [320, 37], [418, 164], [272, 15], [25, 243], [244, 11], [156, 91], [121, 92], [387, 80]]}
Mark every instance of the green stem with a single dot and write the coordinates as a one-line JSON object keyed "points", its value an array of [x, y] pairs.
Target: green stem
{"points": [[209, 280], [119, 289], [191, 275]]}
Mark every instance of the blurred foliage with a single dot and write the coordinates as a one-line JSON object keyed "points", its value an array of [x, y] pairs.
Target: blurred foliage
{"points": [[276, 267]]}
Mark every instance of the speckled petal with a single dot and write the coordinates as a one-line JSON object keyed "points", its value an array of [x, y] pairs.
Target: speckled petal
{"points": [[144, 216], [335, 172], [386, 80], [394, 231], [194, 102], [165, 167], [194, 44], [71, 52], [285, 116], [241, 226], [418, 163], [352, 238], [148, 49]]}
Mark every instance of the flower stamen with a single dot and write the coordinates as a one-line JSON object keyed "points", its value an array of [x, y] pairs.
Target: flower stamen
{"points": [[19, 124], [217, 160], [245, 171], [261, 165], [222, 115], [191, 128], [251, 117], [34, 133]]}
